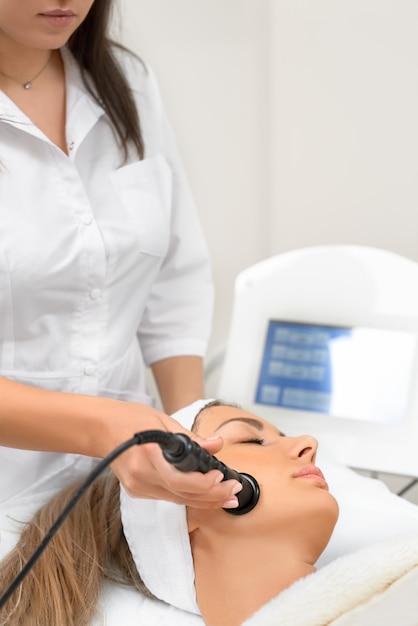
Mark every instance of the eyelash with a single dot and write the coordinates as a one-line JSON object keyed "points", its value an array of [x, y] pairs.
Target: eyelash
{"points": [[260, 442]]}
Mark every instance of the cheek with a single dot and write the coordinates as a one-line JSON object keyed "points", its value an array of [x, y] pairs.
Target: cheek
{"points": [[254, 459], [279, 496], [10, 22]]}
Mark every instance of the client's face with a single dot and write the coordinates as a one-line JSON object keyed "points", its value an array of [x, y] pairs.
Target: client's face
{"points": [[293, 489]]}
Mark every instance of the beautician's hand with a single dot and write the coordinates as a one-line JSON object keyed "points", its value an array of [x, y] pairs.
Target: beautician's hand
{"points": [[145, 473], [53, 421]]}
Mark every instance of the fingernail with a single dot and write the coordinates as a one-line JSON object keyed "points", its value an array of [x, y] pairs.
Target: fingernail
{"points": [[236, 488], [232, 503], [219, 478]]}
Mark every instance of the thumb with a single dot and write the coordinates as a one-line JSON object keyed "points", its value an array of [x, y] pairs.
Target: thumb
{"points": [[212, 444]]}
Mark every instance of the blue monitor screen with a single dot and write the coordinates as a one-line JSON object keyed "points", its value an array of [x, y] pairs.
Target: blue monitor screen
{"points": [[356, 373]]}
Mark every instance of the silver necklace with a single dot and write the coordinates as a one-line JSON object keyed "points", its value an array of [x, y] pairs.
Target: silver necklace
{"points": [[28, 84]]}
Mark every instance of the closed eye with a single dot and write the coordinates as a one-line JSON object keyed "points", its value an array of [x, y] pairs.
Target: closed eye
{"points": [[256, 440]]}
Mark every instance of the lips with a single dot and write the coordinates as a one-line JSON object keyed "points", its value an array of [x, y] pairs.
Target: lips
{"points": [[59, 18], [59, 13], [311, 471]]}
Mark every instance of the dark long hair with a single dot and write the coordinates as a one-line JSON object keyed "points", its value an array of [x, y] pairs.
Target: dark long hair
{"points": [[94, 51]]}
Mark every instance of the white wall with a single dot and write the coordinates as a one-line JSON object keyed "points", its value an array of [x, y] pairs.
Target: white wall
{"points": [[344, 123], [297, 121]]}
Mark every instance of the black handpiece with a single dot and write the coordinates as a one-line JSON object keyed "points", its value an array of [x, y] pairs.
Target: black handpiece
{"points": [[187, 456]]}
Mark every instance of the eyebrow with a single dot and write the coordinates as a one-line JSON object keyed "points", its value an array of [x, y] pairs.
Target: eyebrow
{"points": [[247, 420]]}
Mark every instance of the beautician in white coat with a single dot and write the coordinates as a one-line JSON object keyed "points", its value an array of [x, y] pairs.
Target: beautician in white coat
{"points": [[103, 266]]}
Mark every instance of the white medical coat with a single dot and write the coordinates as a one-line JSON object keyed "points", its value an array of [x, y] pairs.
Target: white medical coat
{"points": [[103, 265]]}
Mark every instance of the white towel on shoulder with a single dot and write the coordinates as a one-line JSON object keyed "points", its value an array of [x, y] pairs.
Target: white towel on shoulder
{"points": [[346, 584]]}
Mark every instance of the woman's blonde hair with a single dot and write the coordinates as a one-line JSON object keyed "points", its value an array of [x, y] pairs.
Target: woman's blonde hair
{"points": [[63, 587]]}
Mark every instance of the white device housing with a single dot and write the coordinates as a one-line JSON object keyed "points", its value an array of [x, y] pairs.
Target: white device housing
{"points": [[353, 287]]}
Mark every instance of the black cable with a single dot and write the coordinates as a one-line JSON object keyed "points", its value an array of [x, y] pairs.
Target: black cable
{"points": [[179, 450]]}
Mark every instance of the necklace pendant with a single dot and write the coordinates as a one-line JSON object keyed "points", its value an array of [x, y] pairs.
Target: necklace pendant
{"points": [[28, 85]]}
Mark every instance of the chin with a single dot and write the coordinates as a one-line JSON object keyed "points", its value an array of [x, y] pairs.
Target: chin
{"points": [[329, 519]]}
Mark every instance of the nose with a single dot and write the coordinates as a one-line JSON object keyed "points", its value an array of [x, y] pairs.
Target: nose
{"points": [[304, 447]]}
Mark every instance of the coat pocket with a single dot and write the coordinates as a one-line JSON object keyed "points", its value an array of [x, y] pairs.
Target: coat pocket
{"points": [[145, 190]]}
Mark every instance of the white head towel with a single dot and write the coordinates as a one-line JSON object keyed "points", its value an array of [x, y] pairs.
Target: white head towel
{"points": [[157, 534]]}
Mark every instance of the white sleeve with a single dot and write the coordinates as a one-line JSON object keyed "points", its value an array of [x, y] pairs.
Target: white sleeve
{"points": [[178, 315]]}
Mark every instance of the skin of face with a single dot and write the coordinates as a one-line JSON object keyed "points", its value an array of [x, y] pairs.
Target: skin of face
{"points": [[294, 494], [260, 553], [26, 23]]}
